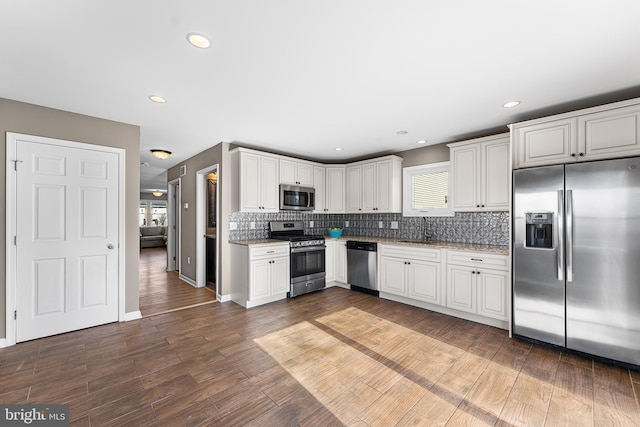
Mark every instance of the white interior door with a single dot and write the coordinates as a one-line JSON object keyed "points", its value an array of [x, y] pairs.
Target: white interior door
{"points": [[67, 238]]}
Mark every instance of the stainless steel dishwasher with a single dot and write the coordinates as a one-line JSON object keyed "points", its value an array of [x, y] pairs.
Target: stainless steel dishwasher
{"points": [[362, 266]]}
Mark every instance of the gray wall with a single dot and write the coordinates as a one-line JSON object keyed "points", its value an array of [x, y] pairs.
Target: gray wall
{"points": [[41, 121], [219, 155]]}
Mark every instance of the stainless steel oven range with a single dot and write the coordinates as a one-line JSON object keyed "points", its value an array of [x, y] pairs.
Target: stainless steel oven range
{"points": [[307, 256]]}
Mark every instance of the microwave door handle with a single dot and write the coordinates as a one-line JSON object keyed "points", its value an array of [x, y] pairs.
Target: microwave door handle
{"points": [[560, 235], [569, 236]]}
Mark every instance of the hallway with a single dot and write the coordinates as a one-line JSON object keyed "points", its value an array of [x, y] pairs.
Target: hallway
{"points": [[162, 291]]}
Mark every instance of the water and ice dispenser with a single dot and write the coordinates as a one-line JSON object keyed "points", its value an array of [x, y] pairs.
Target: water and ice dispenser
{"points": [[539, 230]]}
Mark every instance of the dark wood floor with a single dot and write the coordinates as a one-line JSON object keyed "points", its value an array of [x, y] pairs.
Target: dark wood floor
{"points": [[331, 358], [162, 291]]}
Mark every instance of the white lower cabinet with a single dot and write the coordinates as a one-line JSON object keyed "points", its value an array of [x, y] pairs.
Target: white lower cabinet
{"points": [[474, 288], [336, 262], [260, 274], [471, 285], [411, 272]]}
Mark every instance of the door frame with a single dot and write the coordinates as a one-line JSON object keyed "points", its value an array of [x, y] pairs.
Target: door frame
{"points": [[201, 213], [11, 226], [174, 201]]}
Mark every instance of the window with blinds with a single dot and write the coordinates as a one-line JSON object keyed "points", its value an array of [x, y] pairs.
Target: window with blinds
{"points": [[426, 190]]}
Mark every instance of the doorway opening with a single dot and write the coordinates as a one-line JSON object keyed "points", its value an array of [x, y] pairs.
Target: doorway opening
{"points": [[207, 241]]}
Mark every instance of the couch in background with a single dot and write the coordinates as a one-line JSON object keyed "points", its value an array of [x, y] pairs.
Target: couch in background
{"points": [[153, 236]]}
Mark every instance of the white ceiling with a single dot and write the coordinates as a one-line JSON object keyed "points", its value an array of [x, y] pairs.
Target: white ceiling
{"points": [[306, 76]]}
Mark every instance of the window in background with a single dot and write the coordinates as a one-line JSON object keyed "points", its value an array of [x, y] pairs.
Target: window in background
{"points": [[426, 190], [153, 212]]}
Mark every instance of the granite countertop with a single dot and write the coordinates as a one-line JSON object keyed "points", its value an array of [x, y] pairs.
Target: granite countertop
{"points": [[434, 244]]}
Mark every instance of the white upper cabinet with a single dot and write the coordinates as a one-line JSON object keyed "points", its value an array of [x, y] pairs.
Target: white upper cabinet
{"points": [[604, 132], [375, 185], [480, 174], [296, 173], [257, 182], [329, 185]]}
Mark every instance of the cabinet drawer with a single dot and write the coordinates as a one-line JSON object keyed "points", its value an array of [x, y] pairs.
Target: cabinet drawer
{"points": [[478, 259], [406, 252], [269, 251]]}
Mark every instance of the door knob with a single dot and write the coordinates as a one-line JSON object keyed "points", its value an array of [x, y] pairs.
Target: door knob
{"points": [[110, 246]]}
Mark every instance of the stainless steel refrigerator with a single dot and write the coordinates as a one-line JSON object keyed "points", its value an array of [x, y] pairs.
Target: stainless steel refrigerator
{"points": [[576, 257]]}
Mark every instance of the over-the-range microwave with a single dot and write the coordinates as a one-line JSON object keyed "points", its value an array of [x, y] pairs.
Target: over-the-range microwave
{"points": [[297, 198]]}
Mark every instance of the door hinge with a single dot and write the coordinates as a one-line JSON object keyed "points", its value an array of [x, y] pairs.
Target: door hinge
{"points": [[15, 240], [15, 164], [15, 314]]}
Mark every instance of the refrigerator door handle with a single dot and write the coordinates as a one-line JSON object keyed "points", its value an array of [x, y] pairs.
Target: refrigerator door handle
{"points": [[560, 235], [569, 238]]}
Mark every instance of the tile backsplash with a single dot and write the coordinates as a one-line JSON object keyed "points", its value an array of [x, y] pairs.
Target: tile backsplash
{"points": [[488, 228]]}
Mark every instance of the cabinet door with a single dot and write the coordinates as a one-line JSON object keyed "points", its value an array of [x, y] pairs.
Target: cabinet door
{"points": [[461, 293], [319, 178], [341, 262], [609, 134], [547, 143], [330, 261], [305, 174], [279, 275], [354, 189], [369, 190], [250, 198], [465, 170], [287, 172], [383, 187], [259, 281], [424, 281], [334, 201], [492, 293], [392, 276], [269, 184], [495, 175]]}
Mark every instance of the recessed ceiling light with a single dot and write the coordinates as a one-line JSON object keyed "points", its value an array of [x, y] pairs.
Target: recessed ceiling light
{"points": [[511, 104], [422, 141], [402, 132], [198, 40], [157, 193], [157, 99], [338, 149]]}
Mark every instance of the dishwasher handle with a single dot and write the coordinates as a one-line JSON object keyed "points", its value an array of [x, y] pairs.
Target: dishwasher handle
{"points": [[362, 246]]}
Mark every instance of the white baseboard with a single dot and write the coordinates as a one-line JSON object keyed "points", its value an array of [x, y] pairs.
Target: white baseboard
{"points": [[3, 342], [223, 298], [188, 280], [132, 315]]}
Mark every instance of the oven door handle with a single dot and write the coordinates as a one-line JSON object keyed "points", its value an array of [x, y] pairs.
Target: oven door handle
{"points": [[308, 249]]}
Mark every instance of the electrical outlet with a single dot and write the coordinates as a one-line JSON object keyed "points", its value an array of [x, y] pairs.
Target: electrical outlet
{"points": [[252, 225], [233, 226], [188, 260], [346, 224], [380, 224], [394, 225], [310, 224]]}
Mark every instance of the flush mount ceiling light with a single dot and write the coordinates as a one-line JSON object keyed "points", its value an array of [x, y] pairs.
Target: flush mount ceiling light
{"points": [[157, 193], [157, 99], [198, 40], [160, 154], [422, 141], [338, 149], [511, 104]]}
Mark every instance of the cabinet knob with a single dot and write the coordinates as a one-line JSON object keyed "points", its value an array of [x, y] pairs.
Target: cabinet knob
{"points": [[573, 154], [477, 206], [581, 154]]}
